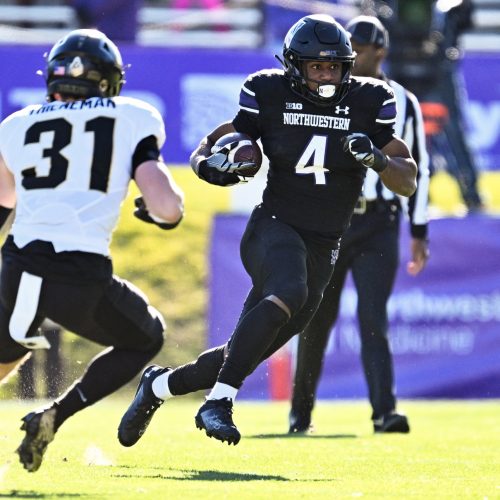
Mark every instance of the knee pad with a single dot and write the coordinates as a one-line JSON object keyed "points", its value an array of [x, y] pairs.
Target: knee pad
{"points": [[294, 296]]}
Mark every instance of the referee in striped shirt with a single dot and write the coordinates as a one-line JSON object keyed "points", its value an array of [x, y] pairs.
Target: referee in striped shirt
{"points": [[370, 250]]}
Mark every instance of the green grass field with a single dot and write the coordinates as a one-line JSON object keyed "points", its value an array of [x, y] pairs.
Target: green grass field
{"points": [[453, 451]]}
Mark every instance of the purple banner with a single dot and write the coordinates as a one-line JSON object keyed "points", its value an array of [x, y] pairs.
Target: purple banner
{"points": [[195, 90], [444, 324], [483, 108]]}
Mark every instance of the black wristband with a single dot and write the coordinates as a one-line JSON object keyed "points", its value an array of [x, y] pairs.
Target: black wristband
{"points": [[141, 212], [168, 225], [418, 231], [380, 160]]}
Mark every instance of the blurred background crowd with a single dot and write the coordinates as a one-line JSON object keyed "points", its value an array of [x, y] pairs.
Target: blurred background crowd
{"points": [[428, 39], [243, 23]]}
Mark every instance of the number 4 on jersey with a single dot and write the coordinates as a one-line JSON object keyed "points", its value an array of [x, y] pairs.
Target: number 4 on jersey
{"points": [[316, 149]]}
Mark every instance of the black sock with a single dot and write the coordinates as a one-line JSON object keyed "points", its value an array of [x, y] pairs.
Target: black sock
{"points": [[72, 401], [106, 373], [252, 337], [197, 375]]}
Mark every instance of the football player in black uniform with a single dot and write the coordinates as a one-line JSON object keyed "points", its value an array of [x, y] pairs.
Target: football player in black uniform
{"points": [[370, 250], [321, 130], [66, 165]]}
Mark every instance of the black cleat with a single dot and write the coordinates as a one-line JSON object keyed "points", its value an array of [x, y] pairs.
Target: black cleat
{"points": [[392, 422], [136, 419], [40, 430], [299, 423], [215, 416]]}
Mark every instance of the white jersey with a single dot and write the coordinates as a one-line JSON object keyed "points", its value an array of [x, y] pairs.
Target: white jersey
{"points": [[72, 164]]}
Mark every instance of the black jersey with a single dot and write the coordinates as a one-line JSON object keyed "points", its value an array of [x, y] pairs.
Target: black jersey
{"points": [[312, 183]]}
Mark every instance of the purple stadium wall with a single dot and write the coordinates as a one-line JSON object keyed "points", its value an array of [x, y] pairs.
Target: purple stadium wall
{"points": [[195, 90], [444, 324]]}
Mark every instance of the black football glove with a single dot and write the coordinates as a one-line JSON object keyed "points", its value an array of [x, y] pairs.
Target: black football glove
{"points": [[141, 212], [364, 152], [218, 170]]}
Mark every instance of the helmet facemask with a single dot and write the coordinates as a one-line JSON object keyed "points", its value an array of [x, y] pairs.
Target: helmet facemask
{"points": [[326, 94]]}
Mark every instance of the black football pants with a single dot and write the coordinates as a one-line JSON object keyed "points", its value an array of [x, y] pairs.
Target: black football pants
{"points": [[282, 262], [110, 312], [369, 249]]}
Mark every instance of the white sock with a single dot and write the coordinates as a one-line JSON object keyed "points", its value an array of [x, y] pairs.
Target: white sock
{"points": [[160, 386], [220, 391]]}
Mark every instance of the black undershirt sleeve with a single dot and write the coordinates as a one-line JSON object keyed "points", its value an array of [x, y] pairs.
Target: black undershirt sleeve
{"points": [[247, 124], [147, 149]]}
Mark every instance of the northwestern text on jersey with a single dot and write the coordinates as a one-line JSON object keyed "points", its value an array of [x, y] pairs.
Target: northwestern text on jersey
{"points": [[321, 121]]}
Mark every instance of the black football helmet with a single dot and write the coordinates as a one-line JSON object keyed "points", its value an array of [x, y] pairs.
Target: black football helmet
{"points": [[317, 38], [85, 63]]}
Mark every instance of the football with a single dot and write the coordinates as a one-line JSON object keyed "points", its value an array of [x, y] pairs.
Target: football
{"points": [[242, 148]]}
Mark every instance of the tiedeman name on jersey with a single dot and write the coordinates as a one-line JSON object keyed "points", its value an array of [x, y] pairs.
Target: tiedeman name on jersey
{"points": [[308, 120], [88, 103]]}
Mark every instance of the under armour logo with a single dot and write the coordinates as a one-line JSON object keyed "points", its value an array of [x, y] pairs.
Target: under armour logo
{"points": [[335, 256], [345, 110]]}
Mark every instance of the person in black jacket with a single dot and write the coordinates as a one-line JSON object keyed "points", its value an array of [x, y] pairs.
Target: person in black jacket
{"points": [[426, 60], [369, 249]]}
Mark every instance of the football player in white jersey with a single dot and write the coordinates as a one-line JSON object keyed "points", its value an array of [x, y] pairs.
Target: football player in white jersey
{"points": [[65, 166]]}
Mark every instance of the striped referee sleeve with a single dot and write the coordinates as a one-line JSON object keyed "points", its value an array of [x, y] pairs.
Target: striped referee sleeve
{"points": [[409, 126], [414, 136]]}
